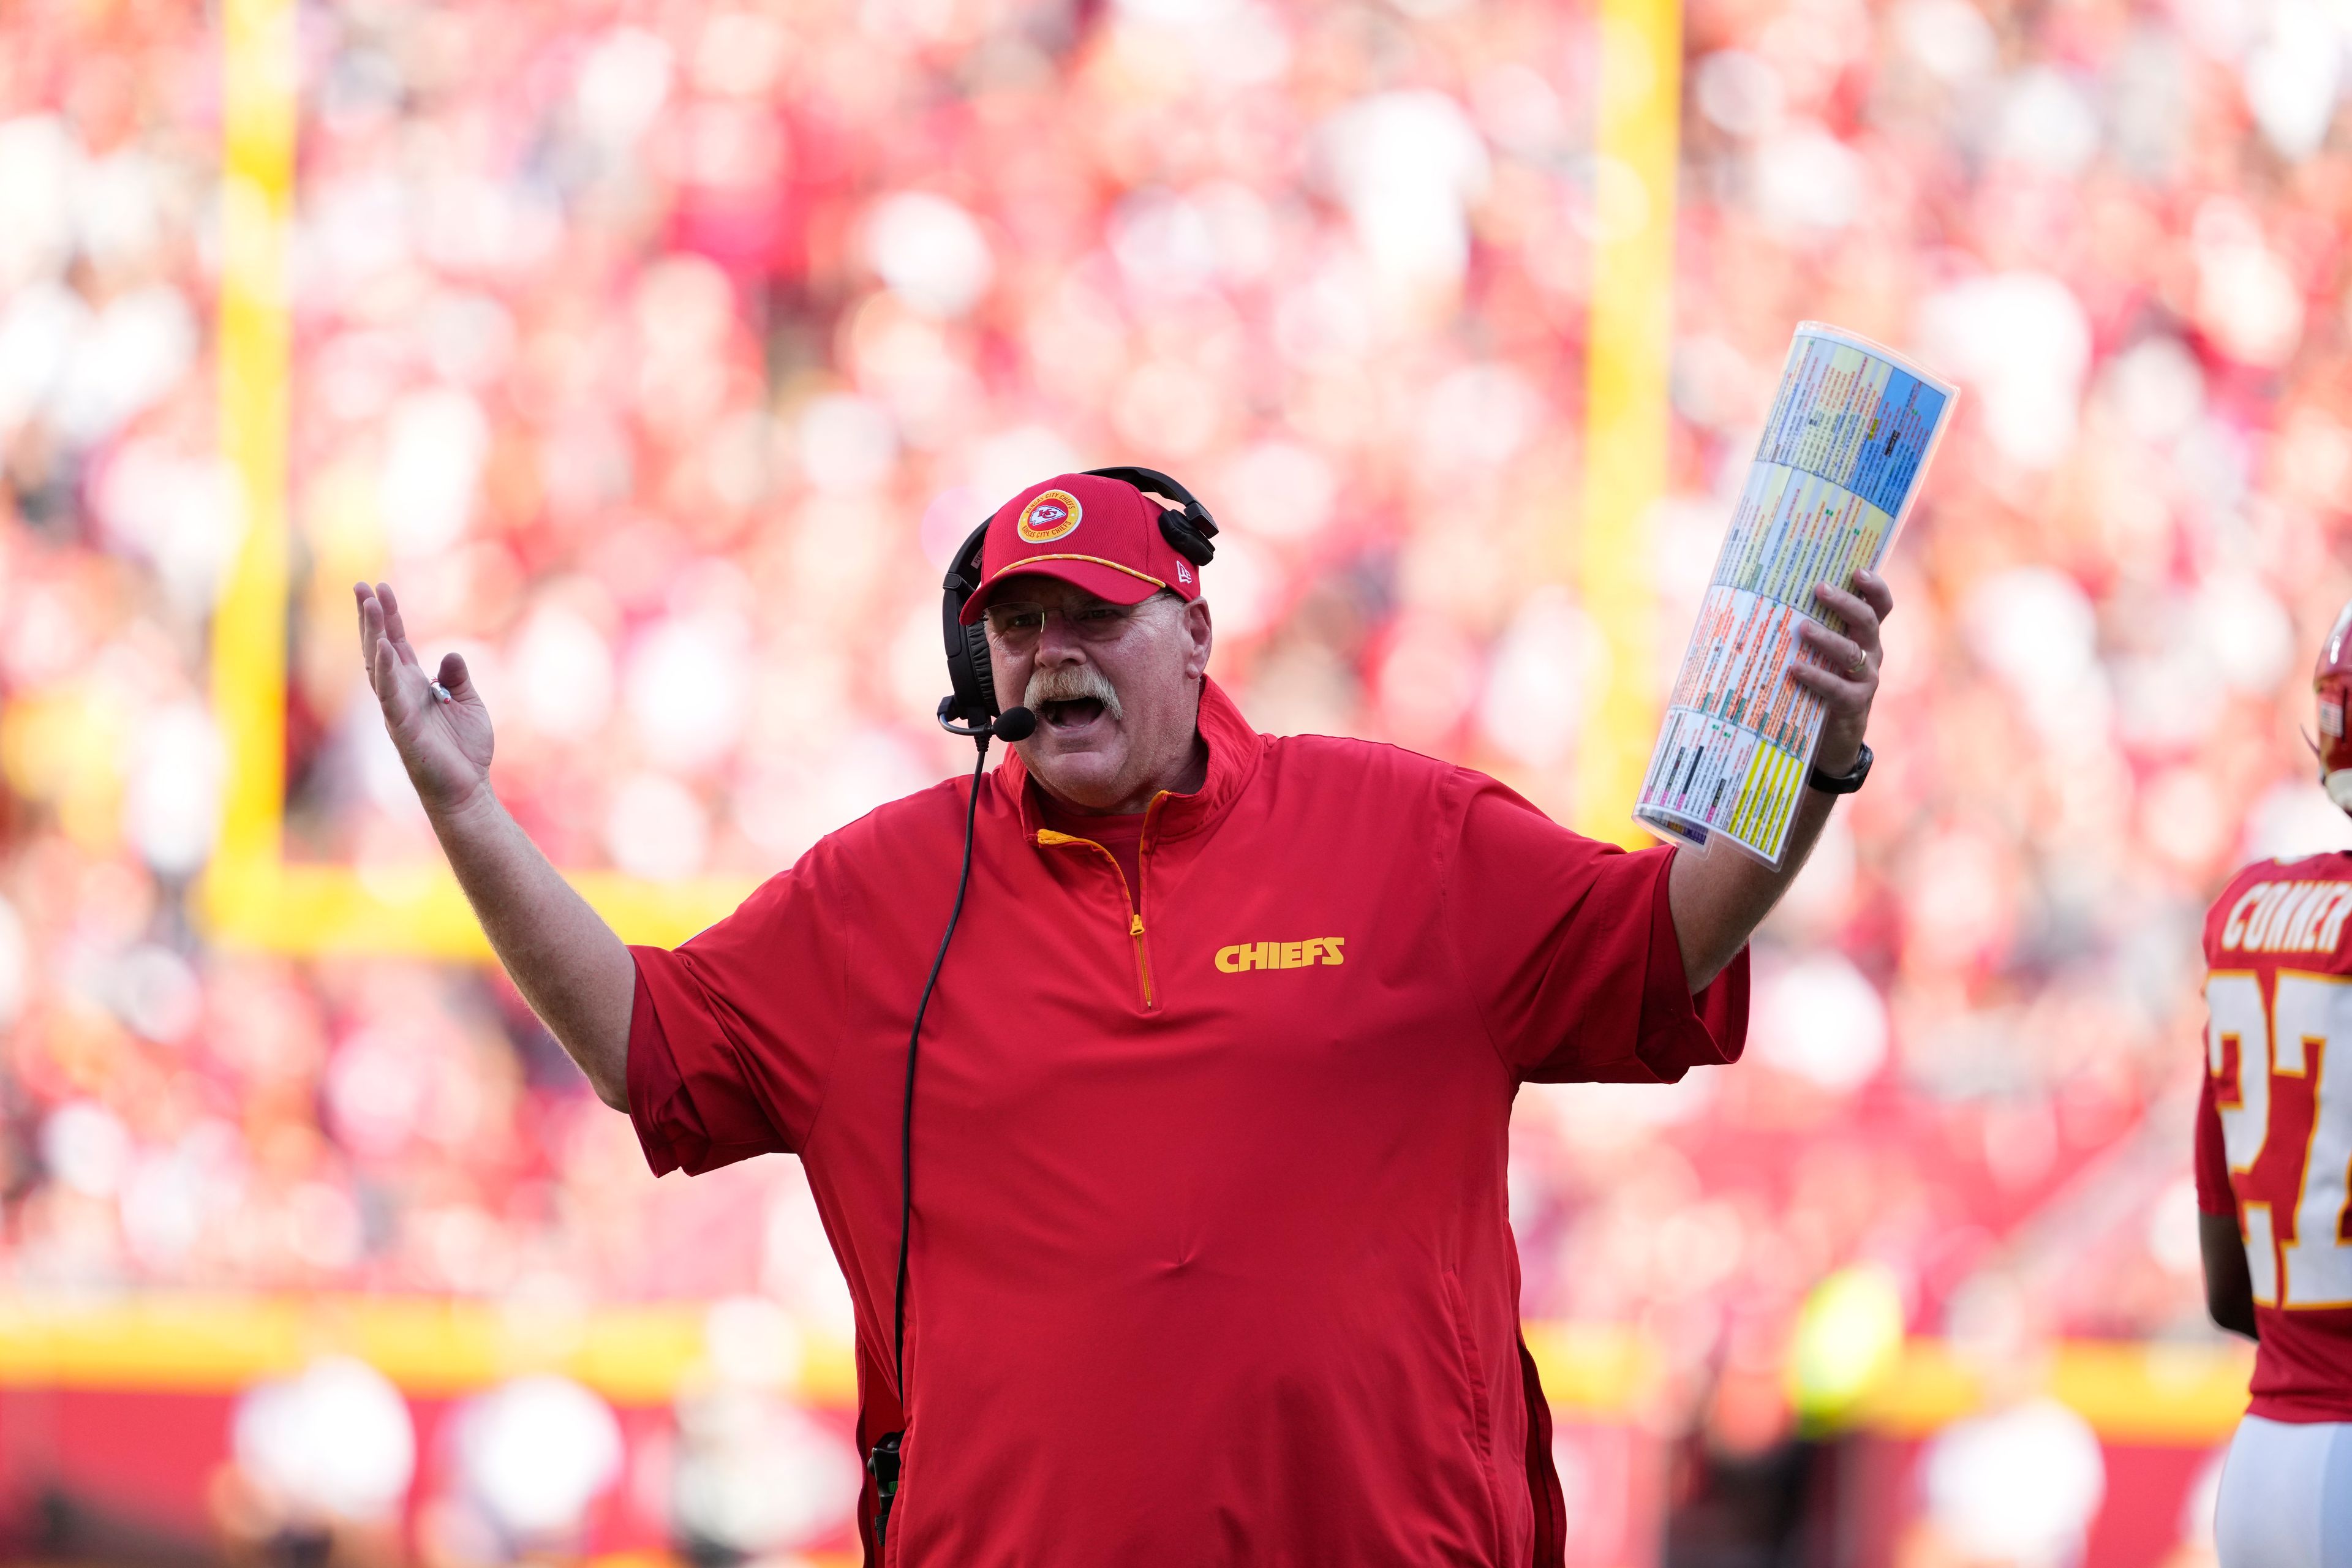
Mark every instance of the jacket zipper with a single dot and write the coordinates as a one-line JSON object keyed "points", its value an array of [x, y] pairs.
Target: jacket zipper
{"points": [[1135, 910], [1047, 837], [1142, 960]]}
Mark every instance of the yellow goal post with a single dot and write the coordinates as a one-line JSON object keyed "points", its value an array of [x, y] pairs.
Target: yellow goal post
{"points": [[252, 896]]}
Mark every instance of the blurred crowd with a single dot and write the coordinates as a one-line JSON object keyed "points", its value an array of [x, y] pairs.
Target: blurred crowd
{"points": [[659, 354], [331, 1464]]}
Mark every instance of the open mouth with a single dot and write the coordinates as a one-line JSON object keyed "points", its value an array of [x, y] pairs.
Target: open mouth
{"points": [[1072, 713]]}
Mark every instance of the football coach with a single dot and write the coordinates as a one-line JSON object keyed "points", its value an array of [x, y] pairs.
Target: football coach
{"points": [[1208, 1259]]}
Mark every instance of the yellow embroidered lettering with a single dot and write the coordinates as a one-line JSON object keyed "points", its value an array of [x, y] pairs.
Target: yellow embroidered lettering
{"points": [[1241, 957]]}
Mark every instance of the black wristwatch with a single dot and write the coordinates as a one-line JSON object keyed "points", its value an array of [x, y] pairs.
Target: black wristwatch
{"points": [[1846, 783]]}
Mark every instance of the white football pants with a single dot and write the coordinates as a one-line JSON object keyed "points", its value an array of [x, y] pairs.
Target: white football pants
{"points": [[2286, 1495]]}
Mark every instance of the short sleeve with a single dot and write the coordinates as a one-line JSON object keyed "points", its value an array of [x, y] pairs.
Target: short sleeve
{"points": [[2215, 1194], [1570, 951], [732, 1036]]}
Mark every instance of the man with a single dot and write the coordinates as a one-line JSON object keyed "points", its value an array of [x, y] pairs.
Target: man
{"points": [[2273, 1147], [1211, 1255]]}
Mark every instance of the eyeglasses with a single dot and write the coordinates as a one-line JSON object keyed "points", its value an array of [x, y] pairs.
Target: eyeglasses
{"points": [[1018, 625]]}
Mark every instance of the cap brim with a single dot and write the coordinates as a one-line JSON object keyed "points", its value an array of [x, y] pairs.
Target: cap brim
{"points": [[1104, 579]]}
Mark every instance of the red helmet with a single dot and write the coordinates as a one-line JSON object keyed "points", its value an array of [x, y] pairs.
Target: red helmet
{"points": [[2332, 679]]}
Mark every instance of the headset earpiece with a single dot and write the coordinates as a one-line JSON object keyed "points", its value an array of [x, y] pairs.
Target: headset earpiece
{"points": [[1187, 538], [973, 699], [1188, 529]]}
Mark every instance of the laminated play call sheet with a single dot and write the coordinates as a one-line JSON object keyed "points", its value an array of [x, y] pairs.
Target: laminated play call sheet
{"points": [[1842, 454]]}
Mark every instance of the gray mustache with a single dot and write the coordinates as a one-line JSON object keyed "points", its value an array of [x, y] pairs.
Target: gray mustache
{"points": [[1070, 682]]}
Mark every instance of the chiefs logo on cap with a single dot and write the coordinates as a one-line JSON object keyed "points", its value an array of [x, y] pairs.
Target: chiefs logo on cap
{"points": [[1049, 516]]}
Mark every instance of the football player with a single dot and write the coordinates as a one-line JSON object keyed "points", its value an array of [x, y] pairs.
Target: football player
{"points": [[2274, 1150]]}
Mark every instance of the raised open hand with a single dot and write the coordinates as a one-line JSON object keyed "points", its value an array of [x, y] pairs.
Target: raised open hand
{"points": [[444, 740]]}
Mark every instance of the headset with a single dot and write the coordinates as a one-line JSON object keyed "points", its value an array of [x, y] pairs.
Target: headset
{"points": [[970, 710]]}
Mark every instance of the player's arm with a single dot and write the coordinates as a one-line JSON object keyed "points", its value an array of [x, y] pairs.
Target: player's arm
{"points": [[2229, 1288], [564, 958], [1721, 895], [2229, 1283]]}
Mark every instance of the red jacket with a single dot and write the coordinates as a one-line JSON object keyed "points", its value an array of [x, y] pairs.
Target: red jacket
{"points": [[1212, 1256]]}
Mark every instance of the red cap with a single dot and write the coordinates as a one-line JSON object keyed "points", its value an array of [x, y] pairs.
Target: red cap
{"points": [[2332, 678], [1102, 536]]}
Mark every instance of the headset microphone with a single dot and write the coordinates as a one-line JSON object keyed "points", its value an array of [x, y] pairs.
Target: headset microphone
{"points": [[1012, 724]]}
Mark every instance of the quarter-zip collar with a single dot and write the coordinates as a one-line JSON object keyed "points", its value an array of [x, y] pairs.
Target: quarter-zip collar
{"points": [[1235, 751]]}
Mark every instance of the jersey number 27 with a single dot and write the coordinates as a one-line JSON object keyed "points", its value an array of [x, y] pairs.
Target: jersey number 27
{"points": [[2292, 1042]]}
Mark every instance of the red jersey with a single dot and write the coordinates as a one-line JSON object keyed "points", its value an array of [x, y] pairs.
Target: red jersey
{"points": [[2275, 1120], [1212, 1255]]}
